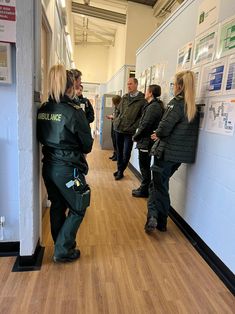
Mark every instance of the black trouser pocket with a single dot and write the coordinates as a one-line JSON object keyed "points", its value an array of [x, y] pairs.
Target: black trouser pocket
{"points": [[83, 199]]}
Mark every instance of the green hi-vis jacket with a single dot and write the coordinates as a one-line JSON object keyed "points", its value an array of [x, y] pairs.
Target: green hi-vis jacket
{"points": [[64, 133]]}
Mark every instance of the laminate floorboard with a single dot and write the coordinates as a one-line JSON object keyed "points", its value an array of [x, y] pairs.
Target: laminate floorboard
{"points": [[121, 269]]}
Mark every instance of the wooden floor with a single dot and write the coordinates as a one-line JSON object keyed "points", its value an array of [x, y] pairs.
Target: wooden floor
{"points": [[122, 269]]}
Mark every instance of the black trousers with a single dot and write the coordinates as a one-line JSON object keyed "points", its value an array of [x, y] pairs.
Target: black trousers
{"points": [[124, 147], [144, 164], [113, 136], [159, 199], [63, 227]]}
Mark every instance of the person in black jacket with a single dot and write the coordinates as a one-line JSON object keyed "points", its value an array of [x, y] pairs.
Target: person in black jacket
{"points": [[84, 103], [151, 116], [65, 135], [175, 143]]}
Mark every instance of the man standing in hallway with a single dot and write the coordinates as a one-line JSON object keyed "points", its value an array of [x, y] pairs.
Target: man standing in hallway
{"points": [[125, 124]]}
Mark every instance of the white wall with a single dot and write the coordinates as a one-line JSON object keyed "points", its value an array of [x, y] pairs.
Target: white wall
{"points": [[117, 53], [119, 81], [140, 25], [19, 164], [9, 176], [92, 61], [202, 193]]}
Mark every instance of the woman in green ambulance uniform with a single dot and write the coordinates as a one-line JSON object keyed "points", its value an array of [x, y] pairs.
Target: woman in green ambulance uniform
{"points": [[65, 135]]}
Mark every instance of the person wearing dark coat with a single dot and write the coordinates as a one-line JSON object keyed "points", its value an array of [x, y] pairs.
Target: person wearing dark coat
{"points": [[175, 143], [84, 103], [125, 123], [115, 100], [151, 116], [66, 137]]}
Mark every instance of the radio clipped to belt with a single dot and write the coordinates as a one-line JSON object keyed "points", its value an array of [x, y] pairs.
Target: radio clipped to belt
{"points": [[83, 192]]}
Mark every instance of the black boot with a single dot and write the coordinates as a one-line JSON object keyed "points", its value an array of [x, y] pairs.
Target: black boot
{"points": [[161, 223], [68, 258], [119, 175], [140, 192], [151, 224]]}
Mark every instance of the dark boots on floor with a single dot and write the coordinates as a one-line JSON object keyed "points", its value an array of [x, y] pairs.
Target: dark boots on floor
{"points": [[154, 223], [140, 192]]}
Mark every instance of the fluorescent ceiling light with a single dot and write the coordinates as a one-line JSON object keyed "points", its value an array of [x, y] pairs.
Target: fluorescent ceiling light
{"points": [[63, 4]]}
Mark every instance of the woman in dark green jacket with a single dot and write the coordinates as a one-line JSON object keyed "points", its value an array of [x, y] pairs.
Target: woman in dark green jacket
{"points": [[65, 135], [175, 143], [151, 116]]}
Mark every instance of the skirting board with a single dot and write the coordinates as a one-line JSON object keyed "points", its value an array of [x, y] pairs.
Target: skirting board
{"points": [[221, 270], [31, 262], [9, 248]]}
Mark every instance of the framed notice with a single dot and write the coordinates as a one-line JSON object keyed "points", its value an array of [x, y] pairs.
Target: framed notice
{"points": [[212, 78], [226, 42], [8, 21], [5, 63], [230, 76], [204, 47], [208, 15], [184, 57]]}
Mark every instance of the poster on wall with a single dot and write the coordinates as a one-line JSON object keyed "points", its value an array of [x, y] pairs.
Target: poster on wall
{"points": [[142, 82], [212, 78], [184, 57], [204, 47], [8, 21], [201, 107], [208, 14], [5, 63], [197, 72], [230, 76], [148, 77], [157, 73], [226, 42], [221, 116]]}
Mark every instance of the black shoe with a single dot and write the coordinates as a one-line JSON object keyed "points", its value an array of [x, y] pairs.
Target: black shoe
{"points": [[115, 173], [69, 258], [139, 193], [119, 175], [150, 225], [161, 227]]}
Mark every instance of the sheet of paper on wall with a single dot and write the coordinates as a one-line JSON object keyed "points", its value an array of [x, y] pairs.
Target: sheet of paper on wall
{"points": [[226, 42], [230, 76], [197, 73], [109, 102], [208, 14], [184, 57], [221, 116], [212, 79], [5, 63], [202, 107], [142, 82], [158, 73], [148, 77], [204, 47]]}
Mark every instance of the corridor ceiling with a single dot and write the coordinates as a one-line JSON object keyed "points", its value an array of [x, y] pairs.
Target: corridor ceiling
{"points": [[96, 21]]}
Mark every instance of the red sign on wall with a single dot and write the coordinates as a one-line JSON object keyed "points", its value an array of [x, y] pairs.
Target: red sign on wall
{"points": [[7, 21]]}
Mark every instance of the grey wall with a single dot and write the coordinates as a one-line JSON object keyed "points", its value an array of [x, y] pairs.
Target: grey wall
{"points": [[202, 193]]}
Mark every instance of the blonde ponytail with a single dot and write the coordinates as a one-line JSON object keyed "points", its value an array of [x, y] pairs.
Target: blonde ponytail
{"points": [[186, 83], [57, 79]]}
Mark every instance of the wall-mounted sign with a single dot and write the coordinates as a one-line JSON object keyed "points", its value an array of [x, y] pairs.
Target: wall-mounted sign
{"points": [[5, 63], [208, 15], [7, 21]]}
